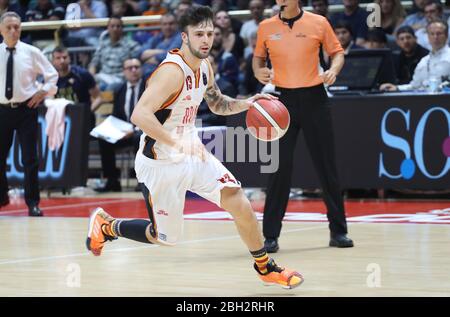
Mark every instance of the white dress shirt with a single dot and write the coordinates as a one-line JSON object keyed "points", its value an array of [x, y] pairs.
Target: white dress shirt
{"points": [[434, 65], [128, 96], [29, 62]]}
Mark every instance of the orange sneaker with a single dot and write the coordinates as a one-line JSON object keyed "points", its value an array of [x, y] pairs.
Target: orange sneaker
{"points": [[96, 238], [280, 276]]}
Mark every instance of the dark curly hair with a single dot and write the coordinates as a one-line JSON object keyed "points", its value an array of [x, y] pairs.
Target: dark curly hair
{"points": [[194, 16]]}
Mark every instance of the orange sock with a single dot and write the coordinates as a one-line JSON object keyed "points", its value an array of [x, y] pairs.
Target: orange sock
{"points": [[108, 229], [261, 259]]}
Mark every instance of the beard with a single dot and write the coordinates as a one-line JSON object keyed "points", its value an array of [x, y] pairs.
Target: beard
{"points": [[197, 53], [63, 68]]}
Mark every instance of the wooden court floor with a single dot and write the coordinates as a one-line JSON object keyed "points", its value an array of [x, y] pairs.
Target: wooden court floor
{"points": [[47, 257]]}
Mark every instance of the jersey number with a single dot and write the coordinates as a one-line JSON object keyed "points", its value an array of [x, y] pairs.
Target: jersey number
{"points": [[188, 82]]}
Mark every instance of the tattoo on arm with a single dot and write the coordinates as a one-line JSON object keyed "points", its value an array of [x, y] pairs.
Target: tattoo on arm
{"points": [[221, 104]]}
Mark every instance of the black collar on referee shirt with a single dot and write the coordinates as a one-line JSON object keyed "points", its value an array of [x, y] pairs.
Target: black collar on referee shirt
{"points": [[291, 21]]}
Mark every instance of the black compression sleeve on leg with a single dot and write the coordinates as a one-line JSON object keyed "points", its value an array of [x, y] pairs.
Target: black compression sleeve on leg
{"points": [[132, 229]]}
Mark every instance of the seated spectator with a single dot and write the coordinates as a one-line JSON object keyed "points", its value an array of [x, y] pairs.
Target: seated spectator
{"points": [[392, 15], [257, 11], [44, 10], [320, 7], [231, 41], [410, 55], [227, 65], [154, 8], [344, 33], [88, 9], [75, 83], [182, 8], [434, 65], [433, 10], [106, 64], [155, 50], [417, 19], [376, 38], [125, 98], [121, 8], [357, 18]]}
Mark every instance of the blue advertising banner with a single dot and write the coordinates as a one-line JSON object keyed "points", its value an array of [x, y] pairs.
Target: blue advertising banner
{"points": [[382, 141], [63, 168]]}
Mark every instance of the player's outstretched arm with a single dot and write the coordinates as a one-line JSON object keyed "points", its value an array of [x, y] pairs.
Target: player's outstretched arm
{"points": [[223, 105], [164, 85]]}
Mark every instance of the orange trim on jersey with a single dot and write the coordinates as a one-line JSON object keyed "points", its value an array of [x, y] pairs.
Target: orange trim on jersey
{"points": [[171, 100], [157, 68], [176, 51], [197, 78]]}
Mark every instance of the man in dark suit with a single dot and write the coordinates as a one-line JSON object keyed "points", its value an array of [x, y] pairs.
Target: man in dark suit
{"points": [[125, 98]]}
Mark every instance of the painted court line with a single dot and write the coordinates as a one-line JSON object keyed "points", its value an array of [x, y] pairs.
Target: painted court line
{"points": [[106, 202], [56, 257]]}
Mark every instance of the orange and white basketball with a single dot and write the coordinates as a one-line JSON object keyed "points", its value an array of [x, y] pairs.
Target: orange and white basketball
{"points": [[267, 120]]}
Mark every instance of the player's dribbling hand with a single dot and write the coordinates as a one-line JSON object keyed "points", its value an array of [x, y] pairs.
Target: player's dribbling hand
{"points": [[192, 147], [264, 75], [252, 99]]}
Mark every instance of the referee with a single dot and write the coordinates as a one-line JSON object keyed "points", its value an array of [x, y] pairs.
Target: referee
{"points": [[292, 40], [20, 65]]}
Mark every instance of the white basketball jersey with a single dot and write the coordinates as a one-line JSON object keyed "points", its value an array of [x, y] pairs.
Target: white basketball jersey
{"points": [[177, 115]]}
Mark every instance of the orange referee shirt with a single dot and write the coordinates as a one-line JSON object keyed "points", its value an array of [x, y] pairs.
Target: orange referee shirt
{"points": [[294, 53]]}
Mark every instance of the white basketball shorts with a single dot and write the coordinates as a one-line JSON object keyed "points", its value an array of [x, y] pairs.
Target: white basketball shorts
{"points": [[166, 185]]}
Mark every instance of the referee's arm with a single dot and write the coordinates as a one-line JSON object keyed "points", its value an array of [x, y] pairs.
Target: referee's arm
{"points": [[262, 72], [334, 49], [337, 62]]}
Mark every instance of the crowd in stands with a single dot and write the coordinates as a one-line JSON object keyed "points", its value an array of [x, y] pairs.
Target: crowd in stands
{"points": [[401, 30]]}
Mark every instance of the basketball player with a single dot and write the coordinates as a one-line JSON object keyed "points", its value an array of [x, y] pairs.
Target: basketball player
{"points": [[171, 158]]}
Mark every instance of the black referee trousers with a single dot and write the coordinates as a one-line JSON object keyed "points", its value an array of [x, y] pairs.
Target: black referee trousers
{"points": [[25, 122], [309, 111]]}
